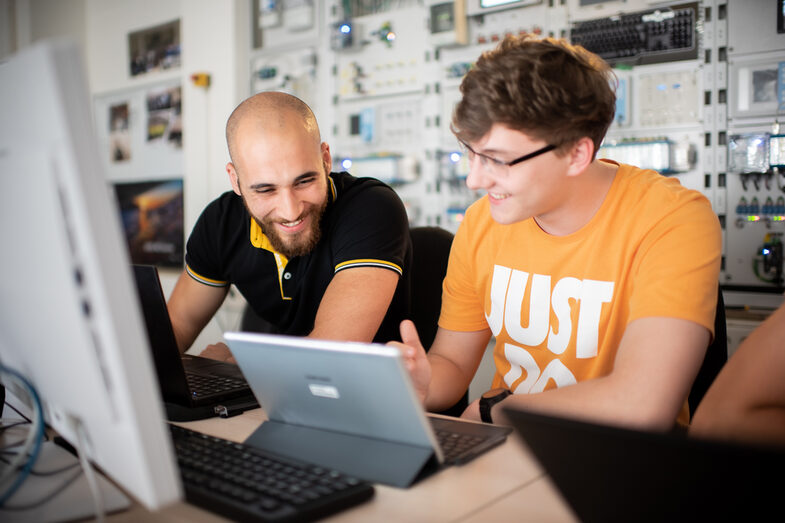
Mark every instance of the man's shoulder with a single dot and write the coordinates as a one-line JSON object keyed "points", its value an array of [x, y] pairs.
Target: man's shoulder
{"points": [[478, 215], [646, 185], [227, 206], [346, 183], [225, 202], [478, 228], [362, 191]]}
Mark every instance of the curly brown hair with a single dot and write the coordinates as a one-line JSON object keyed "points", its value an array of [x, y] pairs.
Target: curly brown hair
{"points": [[545, 87]]}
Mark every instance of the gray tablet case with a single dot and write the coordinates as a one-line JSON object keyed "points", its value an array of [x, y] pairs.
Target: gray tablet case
{"points": [[345, 405]]}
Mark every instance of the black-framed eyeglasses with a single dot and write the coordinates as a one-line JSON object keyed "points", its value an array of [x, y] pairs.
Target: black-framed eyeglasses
{"points": [[492, 163]]}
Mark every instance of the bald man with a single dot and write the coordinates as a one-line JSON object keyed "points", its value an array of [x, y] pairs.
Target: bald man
{"points": [[314, 253]]}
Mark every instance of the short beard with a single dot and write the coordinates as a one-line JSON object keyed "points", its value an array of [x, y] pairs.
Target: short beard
{"points": [[304, 242]]}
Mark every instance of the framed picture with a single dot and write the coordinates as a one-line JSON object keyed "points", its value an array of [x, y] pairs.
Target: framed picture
{"points": [[164, 120], [155, 48], [152, 217]]}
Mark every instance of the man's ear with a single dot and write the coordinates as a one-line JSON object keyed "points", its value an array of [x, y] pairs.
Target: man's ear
{"points": [[326, 157], [580, 156], [233, 178]]}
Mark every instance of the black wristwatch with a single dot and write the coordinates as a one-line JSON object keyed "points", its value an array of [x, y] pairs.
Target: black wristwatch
{"points": [[488, 400]]}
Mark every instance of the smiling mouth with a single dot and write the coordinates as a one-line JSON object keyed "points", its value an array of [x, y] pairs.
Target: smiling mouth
{"points": [[290, 225], [497, 196]]}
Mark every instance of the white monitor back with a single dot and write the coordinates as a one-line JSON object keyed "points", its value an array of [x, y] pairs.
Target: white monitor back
{"points": [[69, 315]]}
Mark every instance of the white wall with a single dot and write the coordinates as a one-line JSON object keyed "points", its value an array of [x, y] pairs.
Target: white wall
{"points": [[57, 18], [214, 39], [23, 22]]}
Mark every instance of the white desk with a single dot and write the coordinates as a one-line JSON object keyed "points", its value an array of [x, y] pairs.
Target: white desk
{"points": [[504, 483]]}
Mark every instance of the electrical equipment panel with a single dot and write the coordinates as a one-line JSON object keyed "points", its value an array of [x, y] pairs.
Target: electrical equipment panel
{"points": [[754, 49], [756, 215], [282, 23], [292, 71], [755, 26], [700, 91]]}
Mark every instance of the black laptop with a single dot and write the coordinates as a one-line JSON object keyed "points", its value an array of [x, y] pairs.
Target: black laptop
{"points": [[192, 387], [609, 474]]}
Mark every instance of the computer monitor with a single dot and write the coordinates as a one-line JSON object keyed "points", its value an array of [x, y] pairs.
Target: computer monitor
{"points": [[69, 314]]}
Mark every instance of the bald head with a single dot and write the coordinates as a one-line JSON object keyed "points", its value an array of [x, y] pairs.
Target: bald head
{"points": [[270, 112]]}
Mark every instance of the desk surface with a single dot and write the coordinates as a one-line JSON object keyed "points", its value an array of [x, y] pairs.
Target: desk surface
{"points": [[505, 482]]}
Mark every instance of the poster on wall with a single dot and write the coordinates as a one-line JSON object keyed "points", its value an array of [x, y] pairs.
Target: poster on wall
{"points": [[119, 133], [164, 119], [152, 217], [155, 48]]}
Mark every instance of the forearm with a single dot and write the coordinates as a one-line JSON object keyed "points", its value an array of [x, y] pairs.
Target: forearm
{"points": [[448, 383], [653, 370], [453, 359], [191, 306], [764, 424], [185, 337], [602, 400], [354, 304], [747, 399]]}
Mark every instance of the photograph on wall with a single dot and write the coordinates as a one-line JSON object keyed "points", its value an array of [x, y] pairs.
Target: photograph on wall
{"points": [[155, 48], [152, 217], [164, 116], [119, 133]]}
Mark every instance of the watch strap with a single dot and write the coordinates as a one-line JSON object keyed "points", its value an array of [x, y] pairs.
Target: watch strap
{"points": [[487, 402]]}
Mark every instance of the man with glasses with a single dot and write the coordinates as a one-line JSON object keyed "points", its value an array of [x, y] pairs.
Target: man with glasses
{"points": [[597, 280], [314, 253]]}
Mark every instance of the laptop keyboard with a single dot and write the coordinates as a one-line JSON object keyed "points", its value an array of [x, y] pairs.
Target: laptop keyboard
{"points": [[457, 448], [207, 385], [463, 441], [244, 483]]}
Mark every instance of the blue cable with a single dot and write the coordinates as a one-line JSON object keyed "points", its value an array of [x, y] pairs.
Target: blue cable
{"points": [[25, 472]]}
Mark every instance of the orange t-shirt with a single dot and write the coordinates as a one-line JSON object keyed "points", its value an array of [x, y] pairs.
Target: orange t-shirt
{"points": [[558, 305]]}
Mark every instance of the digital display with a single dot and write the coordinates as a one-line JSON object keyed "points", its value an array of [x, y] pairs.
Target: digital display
{"points": [[442, 18]]}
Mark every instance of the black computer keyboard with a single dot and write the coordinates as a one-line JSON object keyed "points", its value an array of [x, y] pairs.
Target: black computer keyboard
{"points": [[244, 483], [206, 385]]}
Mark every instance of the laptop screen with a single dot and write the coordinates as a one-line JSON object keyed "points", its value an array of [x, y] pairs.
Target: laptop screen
{"points": [[611, 474]]}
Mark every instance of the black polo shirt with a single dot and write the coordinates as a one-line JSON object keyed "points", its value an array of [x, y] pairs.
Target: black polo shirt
{"points": [[364, 225]]}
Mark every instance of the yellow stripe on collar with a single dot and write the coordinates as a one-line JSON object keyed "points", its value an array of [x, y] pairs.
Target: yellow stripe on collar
{"points": [[261, 241], [333, 190]]}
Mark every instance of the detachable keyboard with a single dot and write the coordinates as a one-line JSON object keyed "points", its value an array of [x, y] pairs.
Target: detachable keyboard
{"points": [[457, 447], [245, 483], [202, 386], [462, 441]]}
